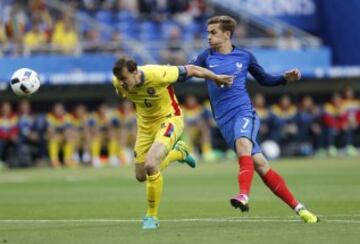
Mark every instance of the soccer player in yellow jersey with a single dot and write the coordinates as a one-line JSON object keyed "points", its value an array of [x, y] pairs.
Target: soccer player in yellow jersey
{"points": [[59, 133], [160, 121]]}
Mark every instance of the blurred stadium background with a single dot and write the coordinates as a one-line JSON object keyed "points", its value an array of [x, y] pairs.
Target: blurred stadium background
{"points": [[73, 45], [76, 120]]}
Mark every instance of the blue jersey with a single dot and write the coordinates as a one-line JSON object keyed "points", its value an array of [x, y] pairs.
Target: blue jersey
{"points": [[229, 102]]}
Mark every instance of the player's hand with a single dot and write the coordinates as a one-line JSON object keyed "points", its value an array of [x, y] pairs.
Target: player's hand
{"points": [[224, 80], [292, 75]]}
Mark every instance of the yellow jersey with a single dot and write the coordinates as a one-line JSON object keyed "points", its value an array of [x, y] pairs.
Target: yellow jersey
{"points": [[154, 97], [58, 122]]}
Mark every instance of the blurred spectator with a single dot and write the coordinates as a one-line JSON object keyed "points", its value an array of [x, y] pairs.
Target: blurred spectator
{"points": [[240, 33], [92, 41], [177, 6], [65, 38], [271, 38], [60, 136], [352, 107], [27, 137], [129, 6], [309, 120], [3, 38], [39, 130], [104, 125], [337, 127], [80, 129], [217, 140], [41, 14], [283, 121], [197, 130], [288, 41], [197, 10], [9, 135], [90, 7], [155, 10], [35, 39], [15, 20], [174, 54], [263, 112], [128, 130]]}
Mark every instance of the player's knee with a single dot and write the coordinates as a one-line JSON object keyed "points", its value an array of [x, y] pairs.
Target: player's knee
{"points": [[140, 177], [150, 169], [243, 147], [262, 169], [153, 159]]}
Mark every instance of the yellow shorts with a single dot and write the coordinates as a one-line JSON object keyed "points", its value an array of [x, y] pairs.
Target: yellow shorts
{"points": [[166, 130]]}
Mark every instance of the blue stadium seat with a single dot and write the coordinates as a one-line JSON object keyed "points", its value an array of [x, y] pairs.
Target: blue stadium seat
{"points": [[149, 30], [166, 27], [125, 16], [105, 17], [128, 28]]}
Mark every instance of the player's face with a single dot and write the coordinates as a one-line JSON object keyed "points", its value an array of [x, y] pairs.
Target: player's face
{"points": [[59, 109], [217, 37], [6, 108], [259, 101], [127, 80]]}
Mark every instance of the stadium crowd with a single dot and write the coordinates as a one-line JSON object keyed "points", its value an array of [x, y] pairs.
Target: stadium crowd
{"points": [[106, 136], [38, 26], [170, 29]]}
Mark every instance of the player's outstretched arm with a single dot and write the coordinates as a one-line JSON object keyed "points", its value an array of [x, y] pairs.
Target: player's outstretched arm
{"points": [[197, 71], [265, 79]]}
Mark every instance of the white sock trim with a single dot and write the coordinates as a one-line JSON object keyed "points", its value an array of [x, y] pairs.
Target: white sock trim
{"points": [[245, 196], [298, 207]]}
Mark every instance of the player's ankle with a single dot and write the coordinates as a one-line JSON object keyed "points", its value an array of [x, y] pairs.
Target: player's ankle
{"points": [[298, 207], [244, 196]]}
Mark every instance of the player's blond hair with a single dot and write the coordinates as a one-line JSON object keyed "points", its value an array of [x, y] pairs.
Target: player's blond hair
{"points": [[227, 23]]}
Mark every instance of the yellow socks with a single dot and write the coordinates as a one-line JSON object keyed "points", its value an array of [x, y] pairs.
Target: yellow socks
{"points": [[113, 148], [69, 153], [154, 186], [206, 148], [54, 152], [173, 155], [95, 147]]}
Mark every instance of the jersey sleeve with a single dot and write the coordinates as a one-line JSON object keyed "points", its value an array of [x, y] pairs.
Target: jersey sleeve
{"points": [[258, 72], [200, 60], [163, 74]]}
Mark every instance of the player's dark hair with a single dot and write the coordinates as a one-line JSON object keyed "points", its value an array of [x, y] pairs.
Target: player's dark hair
{"points": [[124, 62], [227, 23]]}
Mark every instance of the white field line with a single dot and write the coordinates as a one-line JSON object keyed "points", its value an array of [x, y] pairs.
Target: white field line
{"points": [[206, 220]]}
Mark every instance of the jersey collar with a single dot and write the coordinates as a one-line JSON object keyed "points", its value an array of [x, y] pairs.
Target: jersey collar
{"points": [[217, 53]]}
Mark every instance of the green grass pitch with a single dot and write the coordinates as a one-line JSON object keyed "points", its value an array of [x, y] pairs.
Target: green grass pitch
{"points": [[106, 206]]}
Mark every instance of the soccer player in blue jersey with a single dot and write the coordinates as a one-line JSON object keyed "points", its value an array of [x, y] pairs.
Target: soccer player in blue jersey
{"points": [[235, 115]]}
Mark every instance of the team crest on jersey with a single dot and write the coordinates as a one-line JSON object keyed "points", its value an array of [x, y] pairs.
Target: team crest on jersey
{"points": [[239, 65], [151, 91]]}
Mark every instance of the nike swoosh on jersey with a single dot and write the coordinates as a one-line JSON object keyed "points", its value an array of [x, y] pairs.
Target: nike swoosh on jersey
{"points": [[213, 66]]}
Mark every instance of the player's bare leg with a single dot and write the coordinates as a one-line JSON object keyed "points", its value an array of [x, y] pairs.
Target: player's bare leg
{"points": [[278, 186], [246, 172]]}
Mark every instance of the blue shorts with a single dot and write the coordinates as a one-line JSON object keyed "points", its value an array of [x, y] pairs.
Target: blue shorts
{"points": [[242, 126]]}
